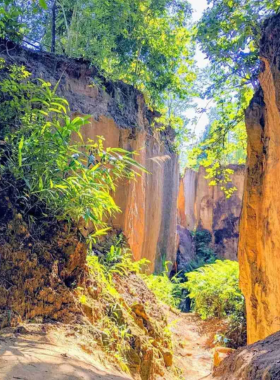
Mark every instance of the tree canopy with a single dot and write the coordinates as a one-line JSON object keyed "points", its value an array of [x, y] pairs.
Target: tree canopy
{"points": [[150, 44], [145, 43], [228, 33]]}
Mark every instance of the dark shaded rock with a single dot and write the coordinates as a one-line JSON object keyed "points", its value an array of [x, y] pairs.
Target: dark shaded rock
{"points": [[186, 248], [205, 207], [259, 361]]}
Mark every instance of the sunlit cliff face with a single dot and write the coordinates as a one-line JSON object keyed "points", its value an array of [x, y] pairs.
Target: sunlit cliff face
{"points": [[259, 249], [148, 204]]}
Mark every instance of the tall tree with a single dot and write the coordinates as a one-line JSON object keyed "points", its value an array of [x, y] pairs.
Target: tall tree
{"points": [[53, 26], [146, 43]]}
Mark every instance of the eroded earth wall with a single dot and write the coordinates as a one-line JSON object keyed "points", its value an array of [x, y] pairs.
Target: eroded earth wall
{"points": [[259, 248], [119, 113]]}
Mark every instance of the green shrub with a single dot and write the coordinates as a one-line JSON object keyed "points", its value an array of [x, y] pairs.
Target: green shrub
{"points": [[66, 179], [214, 289], [120, 260], [166, 290]]}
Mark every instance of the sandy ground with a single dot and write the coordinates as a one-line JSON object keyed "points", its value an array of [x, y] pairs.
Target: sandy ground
{"points": [[49, 355], [192, 345], [47, 352]]}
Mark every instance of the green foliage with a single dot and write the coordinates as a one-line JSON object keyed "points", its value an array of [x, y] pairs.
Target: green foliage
{"points": [[73, 178], [43, 4], [229, 33], [116, 260], [13, 25], [226, 140], [10, 26], [120, 260], [173, 115], [214, 290], [166, 290], [145, 43]]}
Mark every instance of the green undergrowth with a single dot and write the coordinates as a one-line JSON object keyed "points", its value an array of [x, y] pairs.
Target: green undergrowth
{"points": [[210, 288], [44, 156], [214, 291], [173, 291], [166, 290]]}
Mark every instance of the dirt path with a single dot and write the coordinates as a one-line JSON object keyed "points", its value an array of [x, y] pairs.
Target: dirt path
{"points": [[49, 355], [48, 352], [192, 345]]}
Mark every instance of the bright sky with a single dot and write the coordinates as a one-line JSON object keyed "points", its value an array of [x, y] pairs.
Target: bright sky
{"points": [[198, 7]]}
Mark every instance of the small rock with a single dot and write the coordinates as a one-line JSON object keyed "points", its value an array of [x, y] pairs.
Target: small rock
{"points": [[21, 330], [185, 353], [168, 358], [220, 353], [139, 310]]}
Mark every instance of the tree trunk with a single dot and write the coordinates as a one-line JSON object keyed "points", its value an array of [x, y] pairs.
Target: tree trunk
{"points": [[53, 26]]}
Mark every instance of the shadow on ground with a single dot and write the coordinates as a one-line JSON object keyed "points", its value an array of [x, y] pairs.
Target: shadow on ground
{"points": [[33, 357]]}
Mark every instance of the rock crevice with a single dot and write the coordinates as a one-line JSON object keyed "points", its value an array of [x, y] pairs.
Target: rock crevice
{"points": [[205, 207]]}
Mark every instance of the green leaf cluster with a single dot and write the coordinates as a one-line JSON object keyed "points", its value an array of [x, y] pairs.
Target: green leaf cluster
{"points": [[168, 291], [55, 168], [214, 289], [145, 43], [228, 33], [215, 293], [225, 140]]}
